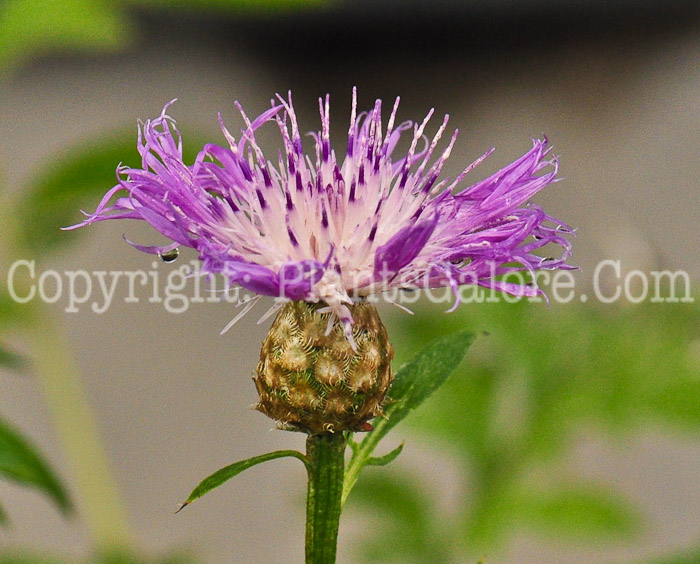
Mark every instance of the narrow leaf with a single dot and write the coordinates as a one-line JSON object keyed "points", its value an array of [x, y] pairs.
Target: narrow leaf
{"points": [[19, 461], [386, 459], [423, 374], [415, 382], [228, 472]]}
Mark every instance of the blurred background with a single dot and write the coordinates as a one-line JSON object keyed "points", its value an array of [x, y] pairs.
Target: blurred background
{"points": [[570, 435]]}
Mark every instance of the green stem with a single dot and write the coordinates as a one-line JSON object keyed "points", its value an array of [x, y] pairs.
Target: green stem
{"points": [[360, 456], [326, 456]]}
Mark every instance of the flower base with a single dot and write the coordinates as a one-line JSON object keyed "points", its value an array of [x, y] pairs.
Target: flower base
{"points": [[311, 379]]}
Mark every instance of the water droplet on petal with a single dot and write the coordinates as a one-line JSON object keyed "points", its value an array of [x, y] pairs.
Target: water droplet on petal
{"points": [[169, 256]]}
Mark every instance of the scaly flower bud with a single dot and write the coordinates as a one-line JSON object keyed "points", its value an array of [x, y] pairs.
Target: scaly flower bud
{"points": [[310, 378]]}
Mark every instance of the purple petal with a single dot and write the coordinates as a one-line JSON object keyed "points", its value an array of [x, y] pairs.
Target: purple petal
{"points": [[297, 278], [403, 247]]}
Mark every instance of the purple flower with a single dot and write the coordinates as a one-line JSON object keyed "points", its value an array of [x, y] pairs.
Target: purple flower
{"points": [[331, 228]]}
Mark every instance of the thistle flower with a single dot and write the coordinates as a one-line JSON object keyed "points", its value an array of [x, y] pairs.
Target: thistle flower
{"points": [[323, 232], [336, 229]]}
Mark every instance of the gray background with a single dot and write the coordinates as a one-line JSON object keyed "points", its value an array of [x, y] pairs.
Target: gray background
{"points": [[616, 90]]}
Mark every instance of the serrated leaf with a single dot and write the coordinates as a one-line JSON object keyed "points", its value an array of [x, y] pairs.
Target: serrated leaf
{"points": [[414, 382], [226, 473], [20, 461]]}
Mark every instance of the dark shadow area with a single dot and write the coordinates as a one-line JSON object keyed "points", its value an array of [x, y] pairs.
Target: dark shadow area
{"points": [[370, 33], [391, 46]]}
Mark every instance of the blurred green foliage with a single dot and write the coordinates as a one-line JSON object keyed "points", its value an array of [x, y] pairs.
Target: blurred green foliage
{"points": [[33, 224], [510, 417], [405, 522], [507, 419], [235, 7], [691, 557], [77, 177], [30, 28], [32, 227], [80, 176], [10, 359], [415, 381], [21, 463], [109, 558]]}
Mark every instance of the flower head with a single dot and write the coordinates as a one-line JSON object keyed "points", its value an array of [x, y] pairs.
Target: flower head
{"points": [[334, 228]]}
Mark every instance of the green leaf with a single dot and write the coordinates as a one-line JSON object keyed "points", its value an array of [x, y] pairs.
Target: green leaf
{"points": [[579, 510], [540, 377], [386, 459], [415, 382], [19, 461], [30, 28], [423, 374], [228, 472]]}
